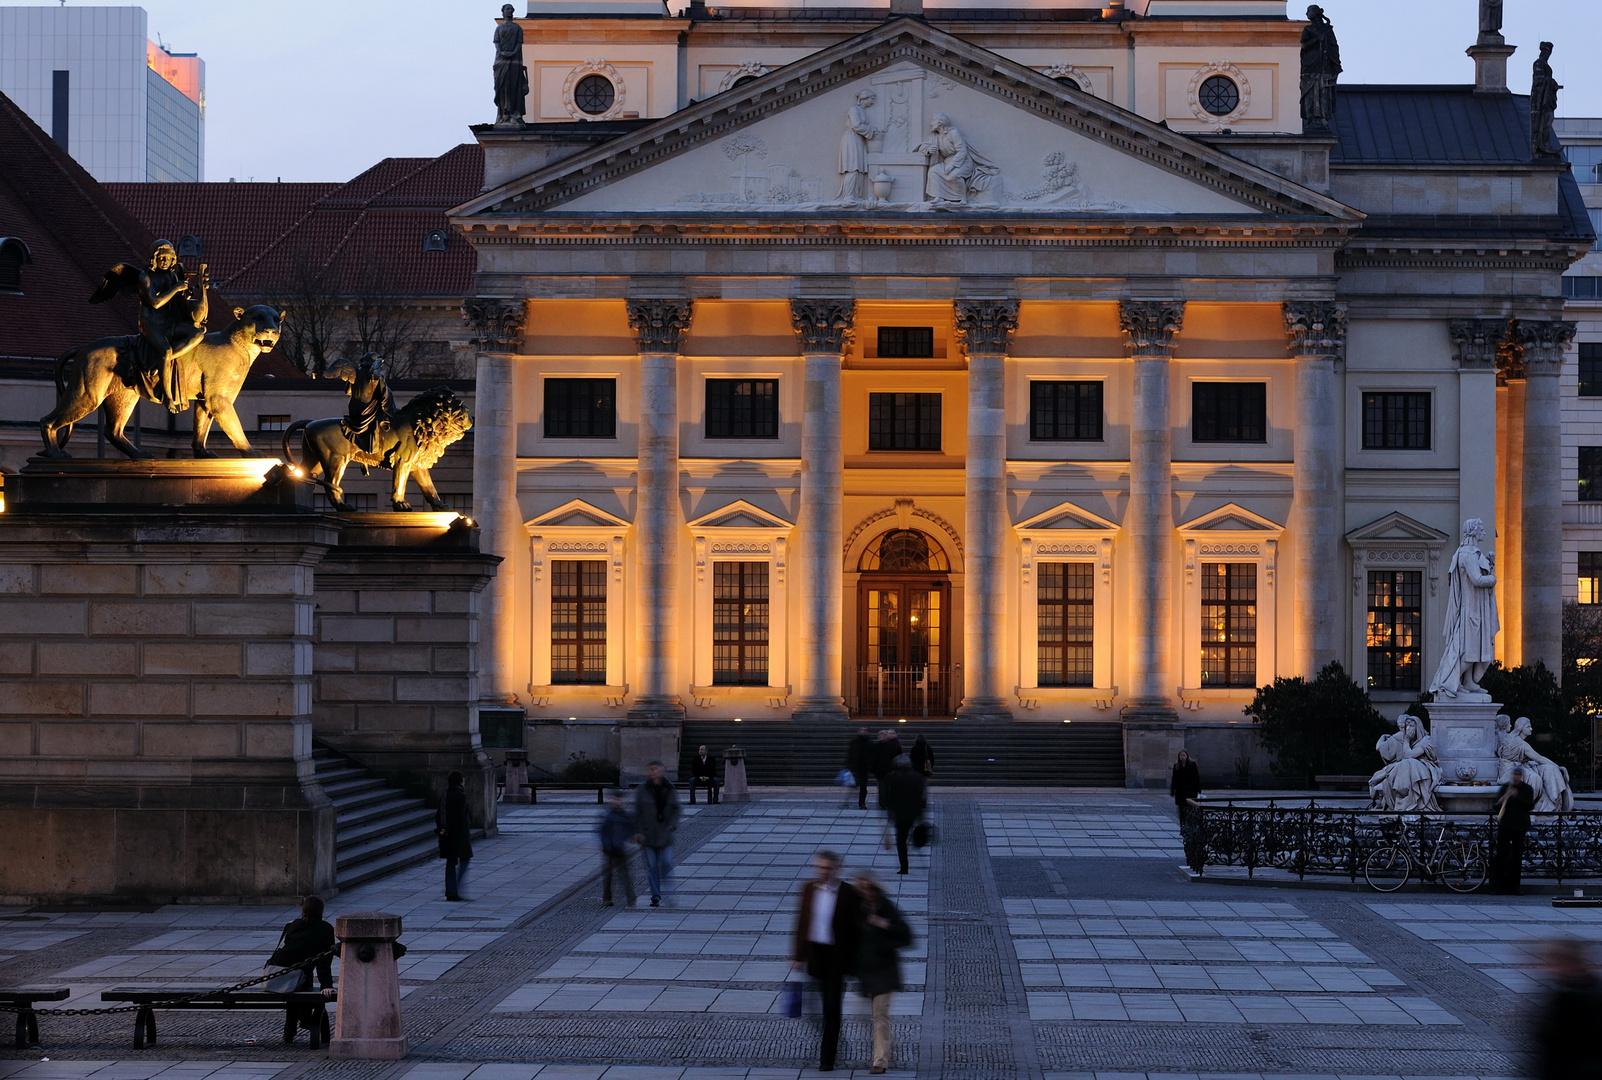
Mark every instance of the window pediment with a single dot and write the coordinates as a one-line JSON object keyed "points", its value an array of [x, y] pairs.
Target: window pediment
{"points": [[575, 514], [1396, 542]]}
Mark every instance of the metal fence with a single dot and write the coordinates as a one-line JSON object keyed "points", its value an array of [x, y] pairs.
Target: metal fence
{"points": [[896, 692], [1315, 839]]}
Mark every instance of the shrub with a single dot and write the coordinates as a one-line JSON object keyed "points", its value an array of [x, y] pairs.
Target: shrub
{"points": [[1323, 727], [582, 769]]}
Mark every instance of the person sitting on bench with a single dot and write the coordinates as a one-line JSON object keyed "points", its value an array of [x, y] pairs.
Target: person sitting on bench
{"points": [[704, 772], [305, 943]]}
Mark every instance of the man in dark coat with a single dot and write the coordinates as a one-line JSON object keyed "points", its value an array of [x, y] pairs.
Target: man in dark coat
{"points": [[656, 819], [886, 748], [1184, 784], [827, 925], [1513, 805], [617, 825], [454, 829], [704, 771], [905, 798], [1565, 1030], [884, 934], [859, 759]]}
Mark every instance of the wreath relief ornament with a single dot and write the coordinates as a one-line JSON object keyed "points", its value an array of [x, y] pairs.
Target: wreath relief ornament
{"points": [[599, 67], [1199, 95]]}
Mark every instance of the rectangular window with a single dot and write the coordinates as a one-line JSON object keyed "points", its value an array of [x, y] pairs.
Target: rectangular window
{"points": [[904, 422], [1591, 474], [580, 408], [742, 408], [1590, 591], [1396, 421], [578, 621], [1061, 411], [272, 421], [740, 623], [906, 342], [1229, 624], [1229, 412], [1067, 623], [1395, 634], [60, 106], [1582, 288], [1590, 369]]}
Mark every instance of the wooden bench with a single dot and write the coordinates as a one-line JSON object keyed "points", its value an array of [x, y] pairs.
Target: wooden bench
{"points": [[27, 1020], [1341, 783], [204, 998], [568, 785]]}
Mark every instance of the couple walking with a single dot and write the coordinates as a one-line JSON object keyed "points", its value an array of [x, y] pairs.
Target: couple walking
{"points": [[850, 928], [651, 822]]}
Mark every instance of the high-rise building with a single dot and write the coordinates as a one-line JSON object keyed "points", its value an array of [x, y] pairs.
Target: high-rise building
{"points": [[125, 107]]}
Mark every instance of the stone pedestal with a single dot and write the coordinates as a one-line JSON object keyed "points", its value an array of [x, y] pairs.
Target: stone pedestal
{"points": [[367, 1024], [644, 741], [1464, 734], [735, 788]]}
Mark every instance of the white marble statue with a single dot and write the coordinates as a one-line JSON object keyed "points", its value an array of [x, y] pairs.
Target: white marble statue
{"points": [[956, 170], [854, 184], [1549, 779], [1408, 779], [1469, 639]]}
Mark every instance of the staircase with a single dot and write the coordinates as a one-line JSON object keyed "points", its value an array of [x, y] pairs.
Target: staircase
{"points": [[1081, 754], [380, 828]]}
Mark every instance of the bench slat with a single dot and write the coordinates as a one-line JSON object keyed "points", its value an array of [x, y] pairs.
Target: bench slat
{"points": [[19, 996]]}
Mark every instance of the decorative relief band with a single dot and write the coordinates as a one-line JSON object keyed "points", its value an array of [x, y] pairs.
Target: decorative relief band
{"points": [[985, 327], [1065, 549], [1316, 329], [738, 548], [1149, 326], [497, 324], [658, 324], [824, 326], [1231, 549]]}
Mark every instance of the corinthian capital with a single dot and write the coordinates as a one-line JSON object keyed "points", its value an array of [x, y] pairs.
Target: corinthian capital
{"points": [[658, 324], [1544, 344], [824, 326], [1316, 328], [1477, 344], [986, 326], [497, 324], [1150, 325]]}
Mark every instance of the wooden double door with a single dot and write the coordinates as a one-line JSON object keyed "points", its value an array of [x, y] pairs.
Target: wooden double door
{"points": [[903, 656]]}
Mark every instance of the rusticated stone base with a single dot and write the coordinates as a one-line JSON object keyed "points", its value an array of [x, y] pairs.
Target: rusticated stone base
{"points": [[1150, 748]]}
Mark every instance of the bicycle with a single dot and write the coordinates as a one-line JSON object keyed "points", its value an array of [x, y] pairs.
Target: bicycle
{"points": [[1455, 863]]}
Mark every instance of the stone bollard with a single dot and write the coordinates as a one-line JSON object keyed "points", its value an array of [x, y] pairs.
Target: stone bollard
{"points": [[516, 776], [367, 1023], [734, 789]]}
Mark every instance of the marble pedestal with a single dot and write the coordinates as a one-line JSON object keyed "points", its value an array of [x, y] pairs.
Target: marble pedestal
{"points": [[1464, 733]]}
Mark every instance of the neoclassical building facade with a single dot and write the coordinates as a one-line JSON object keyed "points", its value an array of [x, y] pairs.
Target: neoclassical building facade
{"points": [[1001, 365]]}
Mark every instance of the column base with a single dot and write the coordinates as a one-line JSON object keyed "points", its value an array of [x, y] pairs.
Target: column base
{"points": [[1153, 739], [665, 707], [985, 710], [823, 708]]}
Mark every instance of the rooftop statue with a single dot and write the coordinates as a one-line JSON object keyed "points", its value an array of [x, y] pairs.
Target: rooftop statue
{"points": [[1543, 106], [171, 361], [1469, 638], [1321, 67], [407, 441], [1491, 19], [956, 170], [511, 77]]}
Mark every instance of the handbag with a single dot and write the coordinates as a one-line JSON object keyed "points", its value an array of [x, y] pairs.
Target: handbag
{"points": [[790, 999], [285, 982], [845, 778]]}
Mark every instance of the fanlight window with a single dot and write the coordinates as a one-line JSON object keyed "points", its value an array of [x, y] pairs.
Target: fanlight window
{"points": [[904, 551]]}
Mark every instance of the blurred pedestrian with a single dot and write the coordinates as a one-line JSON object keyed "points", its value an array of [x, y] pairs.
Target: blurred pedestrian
{"points": [[1513, 805], [886, 748], [656, 819], [1184, 784], [704, 771], [884, 934], [859, 759], [905, 799], [827, 929], [617, 825], [922, 757], [454, 828], [1566, 1046]]}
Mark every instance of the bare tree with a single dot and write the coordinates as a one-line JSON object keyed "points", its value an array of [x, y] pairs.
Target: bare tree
{"points": [[335, 310], [381, 322], [306, 293]]}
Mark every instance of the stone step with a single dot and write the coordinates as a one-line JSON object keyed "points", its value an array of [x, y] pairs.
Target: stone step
{"points": [[393, 862], [407, 823], [380, 829]]}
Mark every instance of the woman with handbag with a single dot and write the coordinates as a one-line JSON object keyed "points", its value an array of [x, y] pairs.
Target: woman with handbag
{"points": [[883, 934], [304, 945]]}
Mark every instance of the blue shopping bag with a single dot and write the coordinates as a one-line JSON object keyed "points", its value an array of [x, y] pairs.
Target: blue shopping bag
{"points": [[790, 998]]}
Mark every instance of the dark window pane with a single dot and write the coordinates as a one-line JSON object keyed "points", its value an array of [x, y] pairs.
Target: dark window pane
{"points": [[578, 621], [1591, 474], [1229, 412], [1219, 95], [904, 422], [906, 342], [740, 623], [1067, 623], [742, 408], [1229, 624], [580, 408], [1394, 634], [1590, 368], [1396, 421], [594, 94], [1061, 411]]}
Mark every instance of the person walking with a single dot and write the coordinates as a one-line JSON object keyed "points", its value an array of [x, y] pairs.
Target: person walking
{"points": [[825, 944], [656, 819], [922, 757], [704, 771], [886, 748], [617, 825], [1184, 784], [455, 840], [1513, 805], [884, 933], [1565, 1028], [859, 760], [905, 799], [306, 943]]}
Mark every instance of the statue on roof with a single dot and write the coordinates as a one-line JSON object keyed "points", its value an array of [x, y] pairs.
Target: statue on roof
{"points": [[1491, 21], [1543, 106], [511, 77], [1321, 67]]}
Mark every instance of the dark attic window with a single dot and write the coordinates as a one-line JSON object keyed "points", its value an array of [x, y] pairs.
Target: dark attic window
{"points": [[434, 240], [14, 255]]}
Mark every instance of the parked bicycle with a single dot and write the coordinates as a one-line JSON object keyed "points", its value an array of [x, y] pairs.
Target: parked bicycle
{"points": [[1456, 863]]}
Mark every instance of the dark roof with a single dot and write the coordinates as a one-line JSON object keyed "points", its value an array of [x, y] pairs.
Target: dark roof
{"points": [[234, 221], [1435, 125]]}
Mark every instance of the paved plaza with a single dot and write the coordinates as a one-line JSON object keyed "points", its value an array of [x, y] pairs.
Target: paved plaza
{"points": [[1057, 938]]}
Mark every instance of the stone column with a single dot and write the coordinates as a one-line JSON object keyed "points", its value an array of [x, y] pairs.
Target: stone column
{"points": [[497, 327], [985, 329], [1480, 347], [1149, 328], [824, 328], [1510, 552], [1542, 543], [658, 326], [1316, 334]]}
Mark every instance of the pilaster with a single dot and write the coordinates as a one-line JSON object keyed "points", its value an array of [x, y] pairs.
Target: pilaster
{"points": [[1316, 338], [1541, 587]]}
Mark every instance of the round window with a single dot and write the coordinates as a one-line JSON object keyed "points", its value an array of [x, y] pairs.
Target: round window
{"points": [[1069, 80], [594, 94], [743, 79], [1219, 95]]}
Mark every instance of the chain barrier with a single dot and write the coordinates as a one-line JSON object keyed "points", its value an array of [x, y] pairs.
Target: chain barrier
{"points": [[176, 1002]]}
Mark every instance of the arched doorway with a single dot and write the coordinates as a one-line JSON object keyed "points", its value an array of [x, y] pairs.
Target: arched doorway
{"points": [[903, 615]]}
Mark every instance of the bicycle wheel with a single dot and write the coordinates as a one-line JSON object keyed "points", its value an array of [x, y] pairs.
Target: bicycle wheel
{"points": [[1462, 867], [1387, 869]]}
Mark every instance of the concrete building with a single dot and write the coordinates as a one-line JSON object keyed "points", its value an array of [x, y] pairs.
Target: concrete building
{"points": [[125, 107], [1581, 384], [1022, 363]]}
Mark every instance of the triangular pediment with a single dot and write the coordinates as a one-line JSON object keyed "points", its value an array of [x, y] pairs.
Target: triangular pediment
{"points": [[740, 515], [1066, 516], [576, 514], [1396, 527], [1026, 146], [1231, 517]]}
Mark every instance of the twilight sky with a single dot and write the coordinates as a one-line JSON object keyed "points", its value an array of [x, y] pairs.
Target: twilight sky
{"points": [[322, 89]]}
